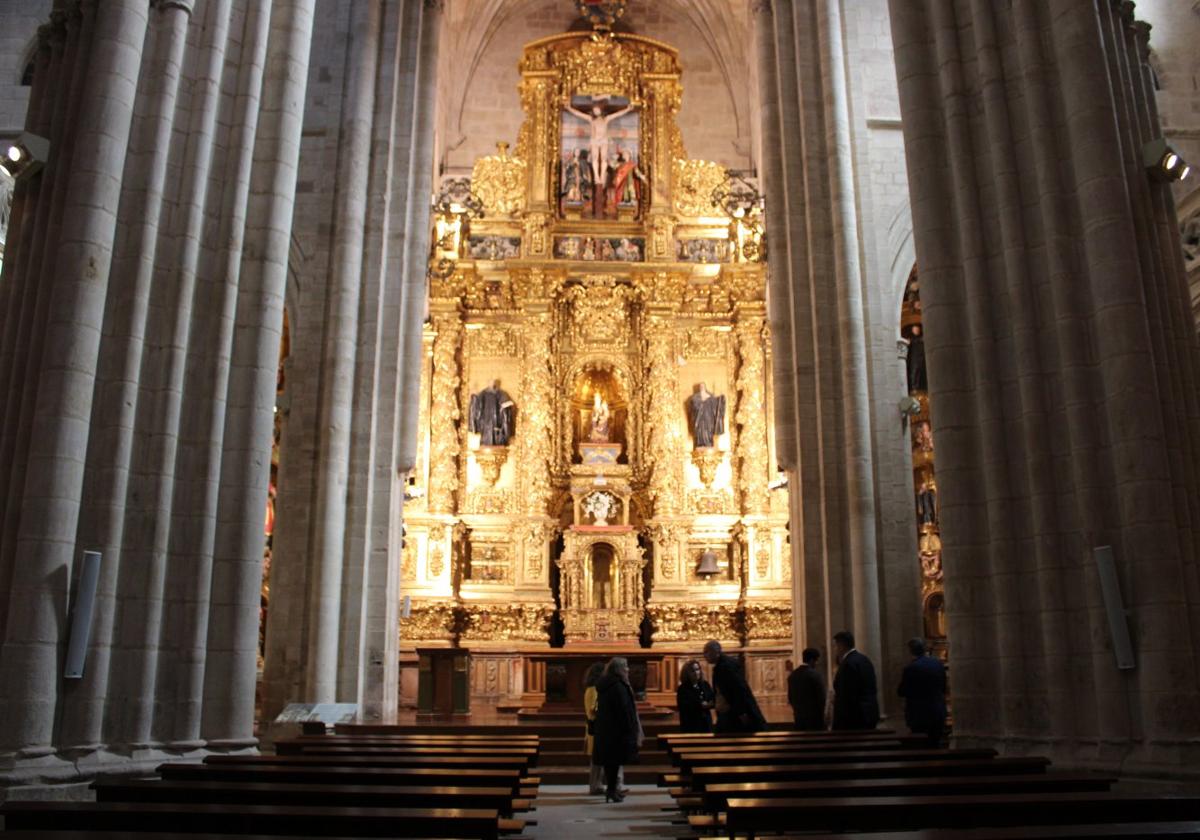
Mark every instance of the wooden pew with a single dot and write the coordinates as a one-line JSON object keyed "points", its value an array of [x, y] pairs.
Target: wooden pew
{"points": [[752, 751], [753, 816], [317, 774], [529, 755], [688, 761], [703, 776], [264, 793], [716, 796], [438, 762], [311, 821]]}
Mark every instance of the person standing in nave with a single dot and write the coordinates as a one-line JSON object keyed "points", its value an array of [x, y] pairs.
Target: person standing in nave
{"points": [[855, 694], [590, 699], [923, 687], [918, 380], [695, 699], [490, 414], [737, 710], [618, 729], [806, 692]]}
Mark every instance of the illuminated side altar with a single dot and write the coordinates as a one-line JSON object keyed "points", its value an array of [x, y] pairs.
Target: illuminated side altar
{"points": [[595, 446]]}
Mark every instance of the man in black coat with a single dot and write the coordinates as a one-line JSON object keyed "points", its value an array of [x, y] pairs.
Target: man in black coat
{"points": [[855, 695], [806, 692], [737, 710], [923, 687], [618, 730]]}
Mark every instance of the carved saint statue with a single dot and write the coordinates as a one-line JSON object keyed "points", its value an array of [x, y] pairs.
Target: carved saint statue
{"points": [[707, 415], [598, 433], [491, 415]]}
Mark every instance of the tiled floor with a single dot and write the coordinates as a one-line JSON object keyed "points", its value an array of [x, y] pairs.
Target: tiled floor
{"points": [[569, 813]]}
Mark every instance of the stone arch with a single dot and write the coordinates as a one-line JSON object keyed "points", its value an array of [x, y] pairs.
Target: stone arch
{"points": [[903, 259]]}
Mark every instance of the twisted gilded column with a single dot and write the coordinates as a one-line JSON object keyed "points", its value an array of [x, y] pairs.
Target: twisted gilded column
{"points": [[444, 392]]}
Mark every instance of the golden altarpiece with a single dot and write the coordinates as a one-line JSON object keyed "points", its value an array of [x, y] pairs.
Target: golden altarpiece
{"points": [[595, 438]]}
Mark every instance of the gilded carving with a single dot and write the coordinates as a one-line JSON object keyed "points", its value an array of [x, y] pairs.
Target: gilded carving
{"points": [[444, 405], [751, 416], [492, 340], [707, 344], [663, 442], [489, 501], [694, 621], [537, 391], [507, 622], [491, 562], [769, 620], [499, 182], [695, 186], [599, 309], [428, 621]]}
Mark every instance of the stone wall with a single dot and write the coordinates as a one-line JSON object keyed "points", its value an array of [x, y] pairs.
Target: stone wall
{"points": [[18, 30]]}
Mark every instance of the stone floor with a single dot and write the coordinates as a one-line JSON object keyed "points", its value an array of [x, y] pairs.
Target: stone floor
{"points": [[569, 812]]}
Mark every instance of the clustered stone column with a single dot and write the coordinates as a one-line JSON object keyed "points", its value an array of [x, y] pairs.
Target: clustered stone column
{"points": [[819, 356], [143, 299], [1063, 371], [333, 628]]}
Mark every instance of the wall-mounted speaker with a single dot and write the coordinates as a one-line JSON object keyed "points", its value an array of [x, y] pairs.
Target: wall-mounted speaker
{"points": [[1114, 607], [80, 631], [406, 606]]}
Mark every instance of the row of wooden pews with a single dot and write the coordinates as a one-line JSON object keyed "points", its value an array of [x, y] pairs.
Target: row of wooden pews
{"points": [[884, 786], [349, 784]]}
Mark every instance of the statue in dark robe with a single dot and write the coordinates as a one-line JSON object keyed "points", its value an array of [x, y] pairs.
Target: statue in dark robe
{"points": [[490, 414], [707, 415]]}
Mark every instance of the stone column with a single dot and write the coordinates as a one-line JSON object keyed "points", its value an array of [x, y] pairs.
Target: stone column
{"points": [[338, 365], [816, 307], [1063, 373], [228, 716], [46, 550]]}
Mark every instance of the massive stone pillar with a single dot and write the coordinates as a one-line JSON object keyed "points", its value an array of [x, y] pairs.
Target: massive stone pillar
{"points": [[143, 300], [1063, 371], [333, 628], [817, 315]]}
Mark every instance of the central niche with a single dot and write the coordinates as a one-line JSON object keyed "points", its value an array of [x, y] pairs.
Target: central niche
{"points": [[599, 410], [603, 578]]}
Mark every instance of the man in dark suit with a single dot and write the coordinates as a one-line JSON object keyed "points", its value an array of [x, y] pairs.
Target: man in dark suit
{"points": [[737, 710], [806, 692], [855, 695], [923, 687]]}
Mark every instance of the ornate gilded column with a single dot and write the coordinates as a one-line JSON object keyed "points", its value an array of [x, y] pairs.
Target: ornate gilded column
{"points": [[750, 416], [446, 315]]}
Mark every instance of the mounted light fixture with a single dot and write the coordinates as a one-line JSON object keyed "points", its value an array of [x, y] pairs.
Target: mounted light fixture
{"points": [[25, 155], [1164, 163], [909, 406]]}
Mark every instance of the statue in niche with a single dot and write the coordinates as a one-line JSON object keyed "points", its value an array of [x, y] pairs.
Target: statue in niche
{"points": [[927, 502], [918, 380], [490, 414], [707, 415], [598, 431]]}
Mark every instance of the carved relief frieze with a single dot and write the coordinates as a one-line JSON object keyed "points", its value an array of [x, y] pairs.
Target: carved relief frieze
{"points": [[506, 622], [769, 620], [496, 340], [432, 620], [694, 621], [707, 343]]}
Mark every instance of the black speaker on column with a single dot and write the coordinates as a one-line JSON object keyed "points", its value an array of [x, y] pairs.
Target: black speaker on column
{"points": [[80, 631]]}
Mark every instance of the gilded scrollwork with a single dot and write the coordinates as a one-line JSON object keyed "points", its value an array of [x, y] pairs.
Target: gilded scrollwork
{"points": [[507, 622], [599, 307], [751, 416], [444, 405], [695, 187], [537, 391], [769, 620], [492, 340], [694, 621], [499, 182], [433, 620], [663, 441]]}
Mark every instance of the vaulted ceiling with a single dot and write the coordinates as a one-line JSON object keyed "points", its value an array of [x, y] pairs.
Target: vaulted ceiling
{"points": [[482, 40]]}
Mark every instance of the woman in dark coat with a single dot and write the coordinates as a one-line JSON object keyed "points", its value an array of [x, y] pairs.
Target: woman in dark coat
{"points": [[695, 699], [618, 730]]}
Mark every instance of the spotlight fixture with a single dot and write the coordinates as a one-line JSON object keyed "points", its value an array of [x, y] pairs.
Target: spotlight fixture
{"points": [[780, 482], [1164, 163], [909, 406], [25, 155]]}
